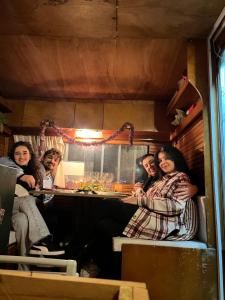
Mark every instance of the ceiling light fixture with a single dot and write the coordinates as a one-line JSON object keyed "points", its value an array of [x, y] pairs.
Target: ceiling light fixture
{"points": [[88, 134]]}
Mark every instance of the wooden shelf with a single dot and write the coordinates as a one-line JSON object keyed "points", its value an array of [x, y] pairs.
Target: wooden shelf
{"points": [[6, 131], [187, 95], [4, 109], [197, 110]]}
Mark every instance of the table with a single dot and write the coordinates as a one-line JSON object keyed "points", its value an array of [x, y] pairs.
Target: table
{"points": [[69, 193], [71, 216]]}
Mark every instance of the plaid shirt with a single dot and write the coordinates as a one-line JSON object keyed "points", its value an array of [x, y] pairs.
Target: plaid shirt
{"points": [[161, 214]]}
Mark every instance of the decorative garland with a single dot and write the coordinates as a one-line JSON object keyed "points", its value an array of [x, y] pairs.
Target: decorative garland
{"points": [[49, 123]]}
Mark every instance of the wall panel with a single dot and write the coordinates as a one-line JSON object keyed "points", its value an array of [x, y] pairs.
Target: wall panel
{"points": [[191, 144], [4, 142]]}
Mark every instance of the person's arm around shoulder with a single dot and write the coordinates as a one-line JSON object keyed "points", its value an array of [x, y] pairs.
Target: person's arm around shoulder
{"points": [[186, 190], [170, 204]]}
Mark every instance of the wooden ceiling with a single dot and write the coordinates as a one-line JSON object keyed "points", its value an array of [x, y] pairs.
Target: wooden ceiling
{"points": [[98, 49]]}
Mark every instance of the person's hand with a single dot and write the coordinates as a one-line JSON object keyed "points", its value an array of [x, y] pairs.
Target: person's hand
{"points": [[138, 185], [130, 200], [29, 179], [185, 190]]}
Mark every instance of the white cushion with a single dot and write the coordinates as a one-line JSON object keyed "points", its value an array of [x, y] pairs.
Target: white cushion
{"points": [[201, 235], [119, 241], [202, 228]]}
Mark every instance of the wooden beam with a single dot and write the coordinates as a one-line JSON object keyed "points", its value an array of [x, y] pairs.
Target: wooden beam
{"points": [[139, 136]]}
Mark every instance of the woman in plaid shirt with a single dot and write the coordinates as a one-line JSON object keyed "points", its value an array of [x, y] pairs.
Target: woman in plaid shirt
{"points": [[161, 213], [158, 214]]}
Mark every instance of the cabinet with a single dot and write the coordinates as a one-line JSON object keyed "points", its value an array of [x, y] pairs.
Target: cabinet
{"points": [[186, 96]]}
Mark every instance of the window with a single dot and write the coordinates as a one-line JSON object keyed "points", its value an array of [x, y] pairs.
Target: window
{"points": [[119, 160], [221, 110]]}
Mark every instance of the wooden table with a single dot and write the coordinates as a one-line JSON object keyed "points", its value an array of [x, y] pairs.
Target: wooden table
{"points": [[71, 216], [73, 193]]}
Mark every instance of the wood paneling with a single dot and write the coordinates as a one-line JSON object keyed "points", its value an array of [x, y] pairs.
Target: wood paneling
{"points": [[154, 147], [71, 68], [36, 111], [141, 115], [15, 117], [89, 115], [191, 144], [92, 115], [4, 142], [109, 18], [172, 273], [80, 18]]}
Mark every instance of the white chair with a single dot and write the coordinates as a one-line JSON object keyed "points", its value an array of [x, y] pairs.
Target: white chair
{"points": [[71, 265]]}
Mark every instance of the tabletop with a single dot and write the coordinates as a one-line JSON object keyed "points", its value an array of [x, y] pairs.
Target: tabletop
{"points": [[74, 193]]}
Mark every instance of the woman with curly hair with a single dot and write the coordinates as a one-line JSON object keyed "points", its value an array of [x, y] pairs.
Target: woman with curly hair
{"points": [[32, 234]]}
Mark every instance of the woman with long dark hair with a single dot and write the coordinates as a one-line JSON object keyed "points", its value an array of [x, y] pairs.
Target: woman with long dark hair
{"points": [[31, 175]]}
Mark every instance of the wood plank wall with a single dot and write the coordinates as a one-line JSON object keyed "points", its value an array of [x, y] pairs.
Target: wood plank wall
{"points": [[4, 143], [191, 144], [154, 147]]}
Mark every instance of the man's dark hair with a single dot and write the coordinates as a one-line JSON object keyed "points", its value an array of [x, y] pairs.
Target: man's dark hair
{"points": [[141, 173], [144, 156], [53, 151]]}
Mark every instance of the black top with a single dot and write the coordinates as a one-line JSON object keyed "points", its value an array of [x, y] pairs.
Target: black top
{"points": [[27, 171], [149, 182]]}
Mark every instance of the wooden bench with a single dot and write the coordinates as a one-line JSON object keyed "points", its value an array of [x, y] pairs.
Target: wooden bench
{"points": [[199, 242], [172, 269]]}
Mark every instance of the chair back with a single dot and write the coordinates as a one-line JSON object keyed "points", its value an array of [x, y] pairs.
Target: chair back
{"points": [[7, 190]]}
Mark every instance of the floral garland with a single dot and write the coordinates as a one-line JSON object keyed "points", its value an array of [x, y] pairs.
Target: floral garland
{"points": [[49, 123]]}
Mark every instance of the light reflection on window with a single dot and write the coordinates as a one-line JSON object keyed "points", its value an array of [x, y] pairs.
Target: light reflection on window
{"points": [[120, 160], [222, 118]]}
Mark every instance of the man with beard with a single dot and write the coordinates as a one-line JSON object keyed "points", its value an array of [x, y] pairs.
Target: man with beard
{"points": [[50, 162], [53, 215]]}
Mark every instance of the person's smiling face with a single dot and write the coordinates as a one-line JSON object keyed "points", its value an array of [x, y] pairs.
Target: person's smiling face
{"points": [[51, 162], [165, 163], [148, 164], [22, 156]]}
